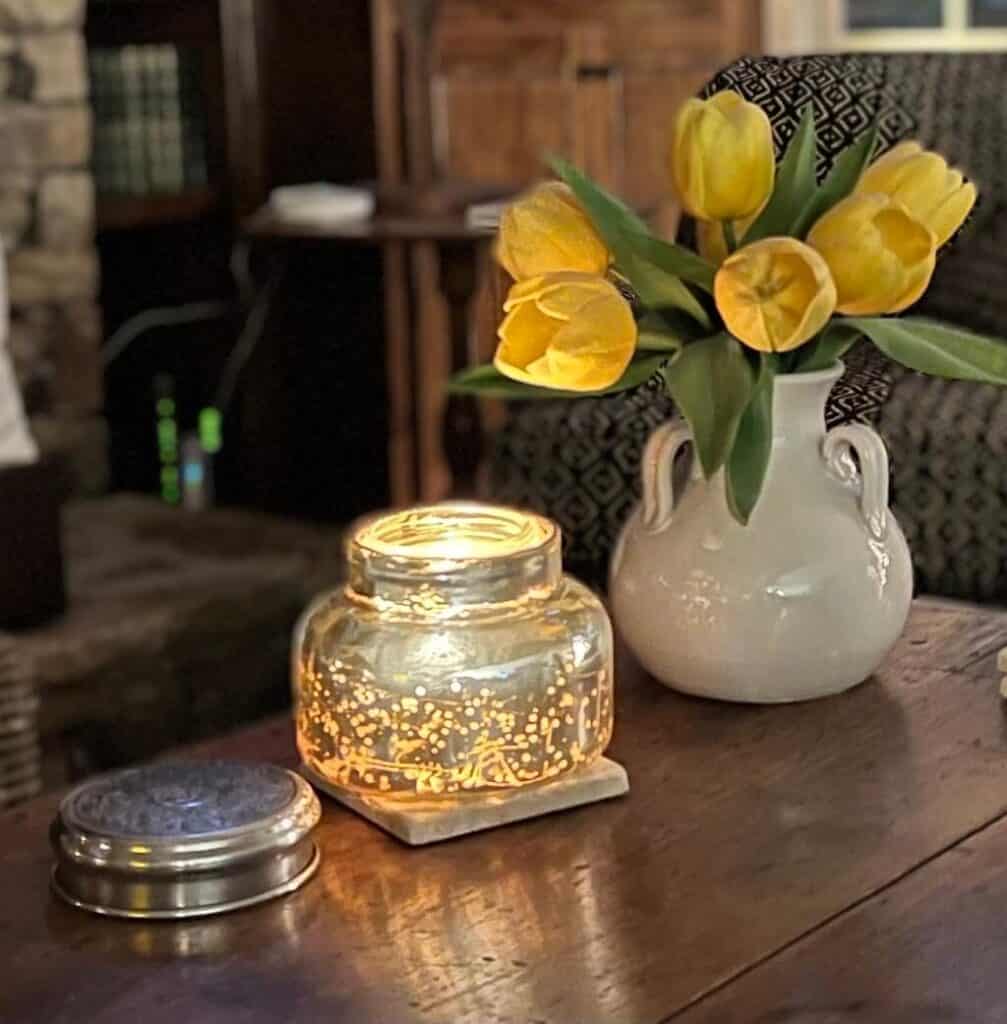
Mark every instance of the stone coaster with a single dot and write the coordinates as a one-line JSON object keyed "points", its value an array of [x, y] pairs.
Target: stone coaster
{"points": [[430, 823]]}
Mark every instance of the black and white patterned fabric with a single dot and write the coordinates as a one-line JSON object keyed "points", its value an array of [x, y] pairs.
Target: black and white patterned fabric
{"points": [[578, 461]]}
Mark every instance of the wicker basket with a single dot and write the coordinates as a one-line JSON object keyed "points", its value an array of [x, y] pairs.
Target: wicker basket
{"points": [[20, 756]]}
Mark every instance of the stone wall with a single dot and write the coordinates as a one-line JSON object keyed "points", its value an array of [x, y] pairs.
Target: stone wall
{"points": [[47, 223]]}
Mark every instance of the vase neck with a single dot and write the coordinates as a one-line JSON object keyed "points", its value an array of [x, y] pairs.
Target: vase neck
{"points": [[799, 403]]}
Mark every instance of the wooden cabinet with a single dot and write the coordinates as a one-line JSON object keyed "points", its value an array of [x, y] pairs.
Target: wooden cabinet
{"points": [[511, 81], [596, 82]]}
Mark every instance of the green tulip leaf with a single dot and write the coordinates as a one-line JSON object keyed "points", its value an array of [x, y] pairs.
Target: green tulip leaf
{"points": [[488, 382], [711, 383], [674, 259], [795, 183], [657, 288], [937, 349], [672, 321], [609, 214], [833, 343], [749, 458], [618, 225], [838, 183], [642, 369], [651, 339]]}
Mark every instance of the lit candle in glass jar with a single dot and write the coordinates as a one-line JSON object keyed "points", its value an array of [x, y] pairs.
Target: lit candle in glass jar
{"points": [[457, 660]]}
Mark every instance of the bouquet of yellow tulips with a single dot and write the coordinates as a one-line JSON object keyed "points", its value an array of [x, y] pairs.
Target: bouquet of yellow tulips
{"points": [[789, 273]]}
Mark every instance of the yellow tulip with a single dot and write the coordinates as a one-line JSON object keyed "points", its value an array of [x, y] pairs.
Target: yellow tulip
{"points": [[710, 239], [545, 231], [570, 331], [774, 294], [722, 159], [881, 257], [935, 194]]}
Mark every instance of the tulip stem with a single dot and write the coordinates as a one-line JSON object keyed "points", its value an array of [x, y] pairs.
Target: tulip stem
{"points": [[729, 236]]}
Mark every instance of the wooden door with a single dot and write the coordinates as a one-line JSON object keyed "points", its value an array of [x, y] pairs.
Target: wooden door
{"points": [[596, 82], [516, 80], [510, 90]]}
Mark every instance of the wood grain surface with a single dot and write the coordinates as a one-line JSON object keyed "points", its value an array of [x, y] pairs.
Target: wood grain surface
{"points": [[806, 863], [930, 950]]}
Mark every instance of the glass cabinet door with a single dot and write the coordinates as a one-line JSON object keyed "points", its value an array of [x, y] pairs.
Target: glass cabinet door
{"points": [[988, 13], [864, 15]]}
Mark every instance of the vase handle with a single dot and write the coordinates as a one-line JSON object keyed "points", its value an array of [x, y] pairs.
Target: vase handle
{"points": [[657, 468], [873, 470]]}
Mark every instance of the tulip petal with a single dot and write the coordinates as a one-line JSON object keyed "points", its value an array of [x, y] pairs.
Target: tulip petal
{"points": [[891, 171], [949, 216], [559, 191], [899, 152], [524, 337], [880, 256], [866, 286], [685, 168], [919, 185], [564, 300], [546, 231], [903, 235], [536, 242], [592, 351], [533, 287], [888, 167], [922, 182], [722, 158], [525, 376], [775, 294], [567, 331], [916, 282], [501, 252]]}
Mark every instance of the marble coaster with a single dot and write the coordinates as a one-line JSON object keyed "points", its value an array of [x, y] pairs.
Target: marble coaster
{"points": [[430, 823]]}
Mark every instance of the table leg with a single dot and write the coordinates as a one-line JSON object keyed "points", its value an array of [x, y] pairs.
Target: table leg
{"points": [[462, 425]]}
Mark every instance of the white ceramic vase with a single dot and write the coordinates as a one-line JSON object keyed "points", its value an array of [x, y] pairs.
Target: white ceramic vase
{"points": [[804, 601]]}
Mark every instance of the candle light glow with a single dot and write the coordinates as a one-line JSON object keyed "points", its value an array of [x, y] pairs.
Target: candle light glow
{"points": [[458, 660]]}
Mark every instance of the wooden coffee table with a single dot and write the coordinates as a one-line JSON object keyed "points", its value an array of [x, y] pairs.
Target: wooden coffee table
{"points": [[844, 860]]}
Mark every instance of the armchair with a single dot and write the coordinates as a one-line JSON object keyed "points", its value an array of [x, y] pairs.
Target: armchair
{"points": [[578, 461]]}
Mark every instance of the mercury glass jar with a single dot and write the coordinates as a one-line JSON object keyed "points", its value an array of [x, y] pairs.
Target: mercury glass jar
{"points": [[457, 660]]}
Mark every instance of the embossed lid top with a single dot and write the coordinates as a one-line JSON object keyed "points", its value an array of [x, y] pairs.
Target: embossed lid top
{"points": [[187, 798], [184, 816]]}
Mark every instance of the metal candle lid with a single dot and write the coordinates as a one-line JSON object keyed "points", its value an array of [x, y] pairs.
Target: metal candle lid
{"points": [[184, 839]]}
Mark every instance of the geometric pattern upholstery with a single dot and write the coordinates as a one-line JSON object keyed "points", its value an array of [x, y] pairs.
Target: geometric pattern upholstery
{"points": [[948, 445], [578, 460]]}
